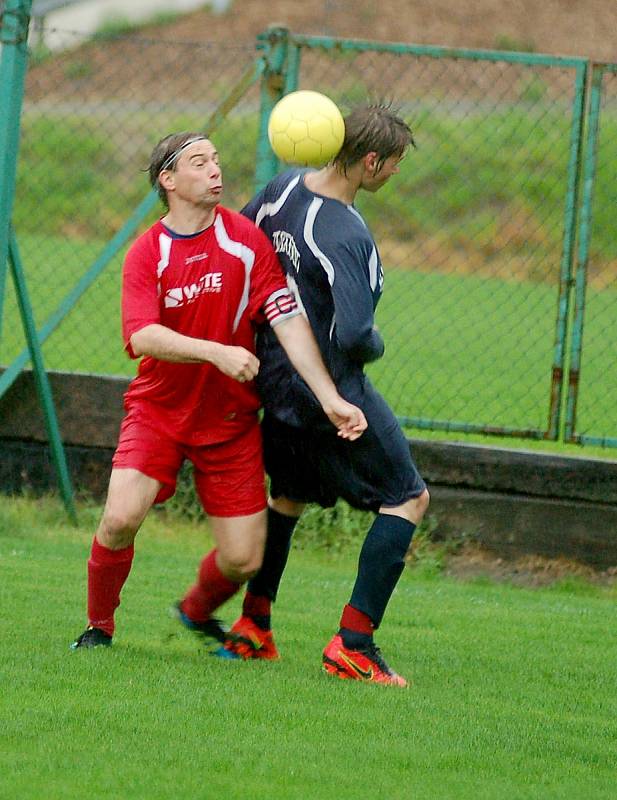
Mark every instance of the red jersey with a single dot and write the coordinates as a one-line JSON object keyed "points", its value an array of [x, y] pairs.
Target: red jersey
{"points": [[211, 285]]}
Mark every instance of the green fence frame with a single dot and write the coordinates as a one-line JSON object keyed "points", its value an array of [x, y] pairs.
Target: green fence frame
{"points": [[589, 168]]}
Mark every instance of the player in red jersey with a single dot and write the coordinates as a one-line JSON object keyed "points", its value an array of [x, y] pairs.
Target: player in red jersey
{"points": [[195, 287]]}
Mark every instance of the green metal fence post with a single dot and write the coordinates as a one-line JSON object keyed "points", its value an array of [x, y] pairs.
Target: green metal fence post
{"points": [[568, 252], [41, 379], [14, 22], [293, 67], [274, 42], [584, 238]]}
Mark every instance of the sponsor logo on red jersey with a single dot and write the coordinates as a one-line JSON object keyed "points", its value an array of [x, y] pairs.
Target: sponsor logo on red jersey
{"points": [[211, 282]]}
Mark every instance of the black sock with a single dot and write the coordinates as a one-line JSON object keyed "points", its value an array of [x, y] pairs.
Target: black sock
{"points": [[381, 563], [278, 542], [262, 621], [353, 640]]}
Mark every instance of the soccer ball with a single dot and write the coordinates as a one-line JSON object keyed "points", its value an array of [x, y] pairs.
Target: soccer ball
{"points": [[306, 128]]}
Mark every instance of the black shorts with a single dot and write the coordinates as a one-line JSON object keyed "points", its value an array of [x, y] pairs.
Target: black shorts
{"points": [[313, 466]]}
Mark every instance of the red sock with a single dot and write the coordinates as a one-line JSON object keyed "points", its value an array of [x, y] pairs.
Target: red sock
{"points": [[354, 620], [211, 590], [255, 605], [107, 574]]}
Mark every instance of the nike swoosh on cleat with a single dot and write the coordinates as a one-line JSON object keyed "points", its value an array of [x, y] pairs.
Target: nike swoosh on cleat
{"points": [[365, 674]]}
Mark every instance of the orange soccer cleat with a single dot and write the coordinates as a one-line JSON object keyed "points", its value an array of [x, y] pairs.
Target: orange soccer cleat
{"points": [[366, 664], [248, 640]]}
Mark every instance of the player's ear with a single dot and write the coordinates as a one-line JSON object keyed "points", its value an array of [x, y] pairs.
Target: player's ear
{"points": [[371, 161], [166, 179]]}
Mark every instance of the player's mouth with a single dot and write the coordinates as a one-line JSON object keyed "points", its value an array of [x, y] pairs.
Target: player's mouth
{"points": [[216, 189]]}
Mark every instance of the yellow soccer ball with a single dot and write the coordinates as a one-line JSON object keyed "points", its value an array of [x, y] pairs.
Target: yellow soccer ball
{"points": [[306, 128]]}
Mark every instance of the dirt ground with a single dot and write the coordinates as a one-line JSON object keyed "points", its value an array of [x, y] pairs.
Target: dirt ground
{"points": [[559, 27], [472, 561]]}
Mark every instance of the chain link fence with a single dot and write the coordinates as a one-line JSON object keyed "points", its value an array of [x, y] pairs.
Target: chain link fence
{"points": [[476, 234], [471, 232], [90, 119]]}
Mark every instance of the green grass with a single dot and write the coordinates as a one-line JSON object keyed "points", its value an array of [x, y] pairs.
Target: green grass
{"points": [[514, 693]]}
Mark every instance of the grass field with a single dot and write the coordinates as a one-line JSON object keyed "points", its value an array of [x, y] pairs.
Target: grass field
{"points": [[514, 691]]}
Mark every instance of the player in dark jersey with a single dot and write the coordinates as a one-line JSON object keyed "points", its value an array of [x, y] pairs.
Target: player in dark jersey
{"points": [[332, 262], [195, 287]]}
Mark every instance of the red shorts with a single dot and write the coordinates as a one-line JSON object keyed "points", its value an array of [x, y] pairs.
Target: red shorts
{"points": [[229, 477]]}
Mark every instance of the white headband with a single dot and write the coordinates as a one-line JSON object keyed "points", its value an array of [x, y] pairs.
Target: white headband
{"points": [[170, 160]]}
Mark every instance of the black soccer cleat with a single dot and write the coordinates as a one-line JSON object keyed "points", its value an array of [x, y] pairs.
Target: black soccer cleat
{"points": [[212, 628], [92, 637]]}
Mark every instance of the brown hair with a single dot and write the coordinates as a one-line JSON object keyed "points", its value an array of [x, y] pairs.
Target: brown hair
{"points": [[165, 156], [374, 128]]}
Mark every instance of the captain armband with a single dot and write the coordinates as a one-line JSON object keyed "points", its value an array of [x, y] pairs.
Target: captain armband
{"points": [[281, 305]]}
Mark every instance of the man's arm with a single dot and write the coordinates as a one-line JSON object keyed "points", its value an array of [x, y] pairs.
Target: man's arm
{"points": [[165, 344], [296, 338]]}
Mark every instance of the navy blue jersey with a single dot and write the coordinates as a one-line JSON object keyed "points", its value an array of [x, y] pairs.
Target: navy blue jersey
{"points": [[333, 265]]}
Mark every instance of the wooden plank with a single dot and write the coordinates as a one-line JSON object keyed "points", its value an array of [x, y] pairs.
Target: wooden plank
{"points": [[514, 525], [89, 409], [525, 472], [28, 467]]}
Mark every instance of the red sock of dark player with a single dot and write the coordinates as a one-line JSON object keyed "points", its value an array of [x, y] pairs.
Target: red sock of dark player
{"points": [[258, 608], [356, 628], [211, 590], [354, 620], [107, 574]]}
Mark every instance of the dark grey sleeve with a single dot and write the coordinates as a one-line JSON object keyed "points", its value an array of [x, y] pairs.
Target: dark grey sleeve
{"points": [[353, 301]]}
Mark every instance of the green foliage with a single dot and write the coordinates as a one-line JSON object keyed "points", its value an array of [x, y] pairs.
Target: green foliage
{"points": [[332, 529], [114, 26], [185, 504], [73, 176], [78, 69], [513, 695], [533, 90], [426, 557], [468, 173], [39, 53], [513, 45], [63, 178], [117, 25]]}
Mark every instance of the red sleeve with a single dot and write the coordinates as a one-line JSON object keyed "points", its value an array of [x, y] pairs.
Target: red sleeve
{"points": [[267, 275], [140, 300]]}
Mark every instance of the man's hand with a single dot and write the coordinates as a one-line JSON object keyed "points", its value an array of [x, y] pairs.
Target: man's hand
{"points": [[165, 344], [349, 419], [236, 362]]}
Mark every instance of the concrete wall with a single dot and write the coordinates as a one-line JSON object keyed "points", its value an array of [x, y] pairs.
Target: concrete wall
{"points": [[512, 501]]}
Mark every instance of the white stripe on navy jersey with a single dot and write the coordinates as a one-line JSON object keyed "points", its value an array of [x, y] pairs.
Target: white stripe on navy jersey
{"points": [[373, 270], [270, 209], [309, 238]]}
